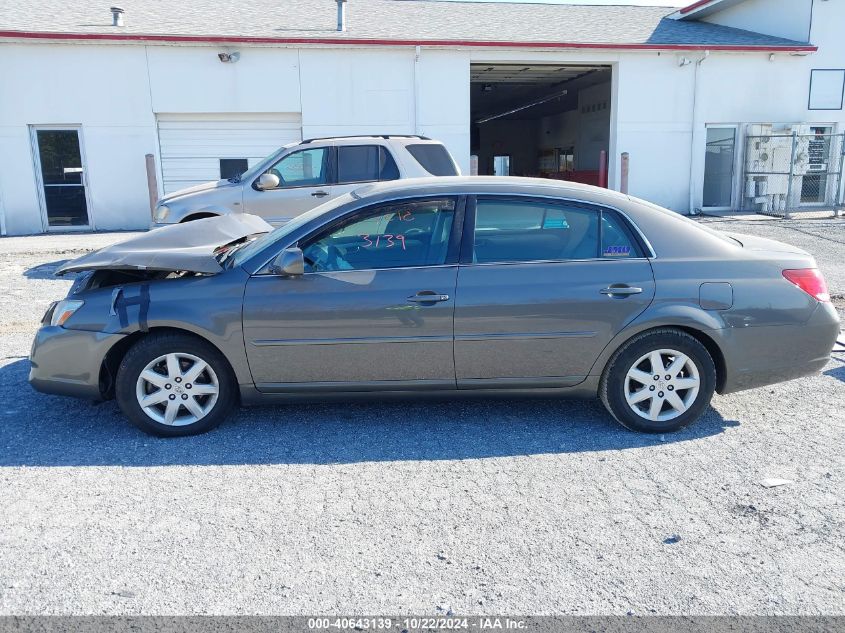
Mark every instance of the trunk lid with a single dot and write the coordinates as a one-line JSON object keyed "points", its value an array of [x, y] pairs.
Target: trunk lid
{"points": [[754, 243]]}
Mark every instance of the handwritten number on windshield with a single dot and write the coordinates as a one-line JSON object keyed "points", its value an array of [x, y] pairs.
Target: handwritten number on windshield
{"points": [[387, 240]]}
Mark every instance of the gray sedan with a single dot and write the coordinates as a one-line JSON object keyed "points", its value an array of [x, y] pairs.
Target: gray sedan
{"points": [[436, 288]]}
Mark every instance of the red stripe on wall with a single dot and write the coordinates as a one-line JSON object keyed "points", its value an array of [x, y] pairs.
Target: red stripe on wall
{"points": [[213, 39]]}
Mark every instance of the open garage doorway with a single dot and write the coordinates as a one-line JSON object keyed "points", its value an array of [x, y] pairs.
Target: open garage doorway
{"points": [[543, 120]]}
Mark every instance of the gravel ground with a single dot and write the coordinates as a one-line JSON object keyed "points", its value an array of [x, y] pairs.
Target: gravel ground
{"points": [[520, 507]]}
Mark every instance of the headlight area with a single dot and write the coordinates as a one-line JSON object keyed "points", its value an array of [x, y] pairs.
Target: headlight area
{"points": [[161, 213], [60, 311]]}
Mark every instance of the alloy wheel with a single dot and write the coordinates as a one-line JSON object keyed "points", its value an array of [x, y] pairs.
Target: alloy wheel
{"points": [[177, 389], [662, 385]]}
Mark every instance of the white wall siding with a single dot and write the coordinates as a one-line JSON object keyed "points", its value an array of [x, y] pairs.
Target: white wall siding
{"points": [[104, 89], [192, 145], [443, 100], [357, 92], [123, 95], [193, 79], [780, 18], [654, 125]]}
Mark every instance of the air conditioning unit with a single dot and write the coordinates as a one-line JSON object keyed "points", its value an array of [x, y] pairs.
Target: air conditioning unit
{"points": [[771, 157]]}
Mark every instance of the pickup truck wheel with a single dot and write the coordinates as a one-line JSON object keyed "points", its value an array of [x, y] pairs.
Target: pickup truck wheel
{"points": [[659, 382], [173, 385]]}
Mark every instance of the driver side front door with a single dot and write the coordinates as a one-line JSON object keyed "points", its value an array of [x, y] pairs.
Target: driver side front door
{"points": [[304, 183], [373, 311]]}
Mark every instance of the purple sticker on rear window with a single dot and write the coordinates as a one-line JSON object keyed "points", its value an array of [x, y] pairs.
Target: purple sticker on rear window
{"points": [[616, 251]]}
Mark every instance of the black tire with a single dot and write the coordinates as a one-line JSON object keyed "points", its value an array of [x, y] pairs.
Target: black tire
{"points": [[613, 382], [150, 348]]}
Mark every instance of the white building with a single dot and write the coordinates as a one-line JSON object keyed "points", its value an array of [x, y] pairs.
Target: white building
{"points": [[530, 89]]}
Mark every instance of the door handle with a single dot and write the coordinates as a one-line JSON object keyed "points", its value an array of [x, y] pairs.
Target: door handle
{"points": [[320, 194], [620, 290], [428, 297]]}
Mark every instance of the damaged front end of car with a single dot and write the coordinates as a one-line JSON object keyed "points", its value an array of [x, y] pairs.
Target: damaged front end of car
{"points": [[191, 247], [159, 279]]}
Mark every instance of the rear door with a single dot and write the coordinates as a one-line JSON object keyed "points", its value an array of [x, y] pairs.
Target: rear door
{"points": [[359, 164], [543, 287], [373, 311]]}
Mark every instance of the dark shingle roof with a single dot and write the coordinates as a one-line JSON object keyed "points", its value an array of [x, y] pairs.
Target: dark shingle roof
{"points": [[402, 20]]}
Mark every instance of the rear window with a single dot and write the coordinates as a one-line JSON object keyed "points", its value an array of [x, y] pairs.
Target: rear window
{"points": [[617, 242], [527, 231], [509, 230], [434, 158]]}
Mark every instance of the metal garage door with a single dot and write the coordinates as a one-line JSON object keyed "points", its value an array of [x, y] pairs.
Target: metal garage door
{"points": [[196, 148]]}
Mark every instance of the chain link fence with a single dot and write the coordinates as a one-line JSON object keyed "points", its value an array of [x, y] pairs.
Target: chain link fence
{"points": [[785, 173]]}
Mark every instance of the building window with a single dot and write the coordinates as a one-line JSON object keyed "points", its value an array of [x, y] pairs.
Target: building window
{"points": [[566, 160], [827, 89], [502, 165], [232, 167]]}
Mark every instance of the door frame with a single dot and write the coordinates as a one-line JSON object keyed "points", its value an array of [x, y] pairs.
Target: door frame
{"points": [[830, 134], [39, 180], [735, 167]]}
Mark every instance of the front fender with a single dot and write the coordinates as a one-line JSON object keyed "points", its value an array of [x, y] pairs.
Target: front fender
{"points": [[209, 306]]}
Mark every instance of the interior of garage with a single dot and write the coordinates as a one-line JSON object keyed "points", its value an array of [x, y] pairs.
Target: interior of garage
{"points": [[548, 121]]}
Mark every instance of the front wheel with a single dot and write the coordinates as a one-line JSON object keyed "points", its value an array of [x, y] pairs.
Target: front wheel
{"points": [[174, 384], [658, 382]]}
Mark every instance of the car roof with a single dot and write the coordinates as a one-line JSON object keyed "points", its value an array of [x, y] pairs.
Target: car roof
{"points": [[370, 138], [492, 185]]}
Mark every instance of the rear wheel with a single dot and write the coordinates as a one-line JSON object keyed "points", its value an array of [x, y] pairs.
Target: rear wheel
{"points": [[175, 384], [658, 382]]}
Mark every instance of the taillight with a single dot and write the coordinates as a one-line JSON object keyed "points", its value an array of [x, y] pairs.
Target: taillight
{"points": [[811, 281]]}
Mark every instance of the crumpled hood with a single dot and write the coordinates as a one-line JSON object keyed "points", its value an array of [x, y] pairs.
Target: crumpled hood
{"points": [[754, 243], [185, 247]]}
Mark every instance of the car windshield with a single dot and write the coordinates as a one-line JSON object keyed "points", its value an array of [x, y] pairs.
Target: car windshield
{"points": [[258, 167], [249, 249]]}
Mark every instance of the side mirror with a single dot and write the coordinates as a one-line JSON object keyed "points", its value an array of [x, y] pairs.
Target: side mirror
{"points": [[267, 181], [289, 263]]}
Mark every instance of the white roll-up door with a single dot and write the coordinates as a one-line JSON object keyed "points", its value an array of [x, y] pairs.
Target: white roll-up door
{"points": [[193, 145]]}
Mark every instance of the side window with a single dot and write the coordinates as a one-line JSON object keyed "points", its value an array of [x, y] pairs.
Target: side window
{"points": [[365, 163], [617, 242], [305, 168], [525, 231], [399, 234]]}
